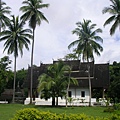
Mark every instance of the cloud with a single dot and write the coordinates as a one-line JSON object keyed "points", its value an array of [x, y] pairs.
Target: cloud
{"points": [[53, 38]]}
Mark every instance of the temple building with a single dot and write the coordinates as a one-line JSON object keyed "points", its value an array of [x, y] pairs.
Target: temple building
{"points": [[99, 76]]}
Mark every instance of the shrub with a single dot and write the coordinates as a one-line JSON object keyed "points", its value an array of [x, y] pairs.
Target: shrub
{"points": [[115, 117], [27, 114], [117, 106], [34, 114]]}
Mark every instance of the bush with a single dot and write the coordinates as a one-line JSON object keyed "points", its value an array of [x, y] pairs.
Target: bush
{"points": [[115, 117], [27, 114], [117, 106], [34, 114]]}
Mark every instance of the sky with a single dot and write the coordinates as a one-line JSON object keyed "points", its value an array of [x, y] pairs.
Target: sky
{"points": [[52, 39]]}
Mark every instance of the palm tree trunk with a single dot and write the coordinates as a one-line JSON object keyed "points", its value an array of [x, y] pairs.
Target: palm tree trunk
{"points": [[57, 101], [89, 84], [14, 81], [68, 89], [53, 101], [31, 81]]}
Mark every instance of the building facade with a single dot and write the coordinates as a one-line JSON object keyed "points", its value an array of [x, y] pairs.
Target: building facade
{"points": [[99, 77]]}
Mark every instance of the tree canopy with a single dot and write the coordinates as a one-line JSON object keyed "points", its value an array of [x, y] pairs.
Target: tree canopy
{"points": [[4, 72], [114, 89], [88, 40], [114, 11]]}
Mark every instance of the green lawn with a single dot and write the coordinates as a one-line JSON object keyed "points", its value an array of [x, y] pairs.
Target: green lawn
{"points": [[8, 110]]}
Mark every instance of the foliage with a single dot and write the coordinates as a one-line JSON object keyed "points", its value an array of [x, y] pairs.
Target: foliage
{"points": [[4, 12], [113, 91], [21, 76], [4, 72], [115, 117], [34, 114], [31, 12], [70, 100], [16, 38], [9, 84], [27, 114], [87, 42], [54, 82], [117, 106], [113, 10]]}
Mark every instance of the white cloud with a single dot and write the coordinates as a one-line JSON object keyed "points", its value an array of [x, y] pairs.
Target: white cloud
{"points": [[51, 40]]}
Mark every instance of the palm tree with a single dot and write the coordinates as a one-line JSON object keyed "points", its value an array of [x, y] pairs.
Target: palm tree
{"points": [[31, 12], [4, 10], [114, 11], [16, 38], [54, 80], [87, 45]]}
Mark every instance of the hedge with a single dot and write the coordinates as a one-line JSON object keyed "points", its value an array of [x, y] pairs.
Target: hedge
{"points": [[34, 114]]}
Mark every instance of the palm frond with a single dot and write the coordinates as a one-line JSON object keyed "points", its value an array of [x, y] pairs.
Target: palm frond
{"points": [[114, 26]]}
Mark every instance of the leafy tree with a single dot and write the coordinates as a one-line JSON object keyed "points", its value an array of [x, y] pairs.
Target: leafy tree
{"points": [[10, 81], [113, 10], [16, 38], [87, 43], [4, 10], [114, 89], [4, 72], [21, 76], [54, 82], [31, 12]]}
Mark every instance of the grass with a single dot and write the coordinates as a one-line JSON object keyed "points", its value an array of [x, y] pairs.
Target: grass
{"points": [[7, 111]]}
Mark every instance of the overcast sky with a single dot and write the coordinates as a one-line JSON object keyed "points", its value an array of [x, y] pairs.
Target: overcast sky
{"points": [[52, 40]]}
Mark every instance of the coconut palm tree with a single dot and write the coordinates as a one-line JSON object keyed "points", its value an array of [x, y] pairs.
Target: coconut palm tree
{"points": [[4, 10], [31, 12], [114, 11], [87, 44], [55, 80], [16, 38]]}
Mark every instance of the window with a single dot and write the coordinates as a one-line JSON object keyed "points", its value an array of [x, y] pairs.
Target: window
{"points": [[82, 93], [69, 94]]}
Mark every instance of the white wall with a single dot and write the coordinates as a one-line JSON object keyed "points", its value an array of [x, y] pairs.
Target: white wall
{"points": [[76, 93]]}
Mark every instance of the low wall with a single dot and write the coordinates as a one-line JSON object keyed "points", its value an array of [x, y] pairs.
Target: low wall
{"points": [[61, 102]]}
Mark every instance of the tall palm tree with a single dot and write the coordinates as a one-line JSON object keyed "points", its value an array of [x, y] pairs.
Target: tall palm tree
{"points": [[4, 10], [87, 44], [114, 11], [31, 12], [16, 38]]}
